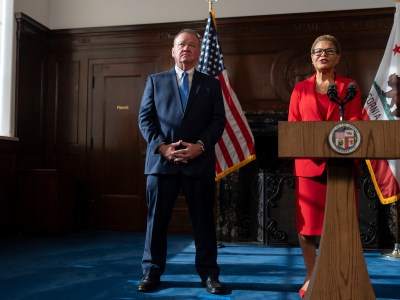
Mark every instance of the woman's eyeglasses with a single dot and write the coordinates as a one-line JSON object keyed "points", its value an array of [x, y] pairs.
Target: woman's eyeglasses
{"points": [[319, 51]]}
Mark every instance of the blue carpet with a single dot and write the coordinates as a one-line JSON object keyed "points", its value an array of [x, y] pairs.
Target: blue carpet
{"points": [[106, 265]]}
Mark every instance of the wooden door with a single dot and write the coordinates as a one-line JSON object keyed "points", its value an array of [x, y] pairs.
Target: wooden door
{"points": [[117, 150]]}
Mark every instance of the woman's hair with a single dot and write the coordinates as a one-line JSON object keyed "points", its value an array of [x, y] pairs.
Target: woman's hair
{"points": [[328, 38]]}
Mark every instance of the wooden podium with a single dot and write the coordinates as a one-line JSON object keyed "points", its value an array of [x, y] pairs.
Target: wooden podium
{"points": [[340, 271]]}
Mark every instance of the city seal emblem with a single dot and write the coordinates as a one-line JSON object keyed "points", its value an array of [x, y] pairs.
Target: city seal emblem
{"points": [[344, 138]]}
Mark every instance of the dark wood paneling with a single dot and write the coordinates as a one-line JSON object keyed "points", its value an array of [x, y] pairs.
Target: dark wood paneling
{"points": [[45, 201], [31, 101], [67, 102], [31, 85], [7, 185]]}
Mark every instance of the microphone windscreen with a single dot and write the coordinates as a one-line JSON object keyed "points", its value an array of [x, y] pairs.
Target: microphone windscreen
{"points": [[352, 85], [351, 90], [332, 91]]}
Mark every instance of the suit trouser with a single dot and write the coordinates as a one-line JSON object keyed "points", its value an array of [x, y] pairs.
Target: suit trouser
{"points": [[162, 192]]}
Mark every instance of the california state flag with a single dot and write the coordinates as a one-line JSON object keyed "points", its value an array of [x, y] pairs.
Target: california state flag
{"points": [[383, 103]]}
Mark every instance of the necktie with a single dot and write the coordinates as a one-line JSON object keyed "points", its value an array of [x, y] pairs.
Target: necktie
{"points": [[184, 87]]}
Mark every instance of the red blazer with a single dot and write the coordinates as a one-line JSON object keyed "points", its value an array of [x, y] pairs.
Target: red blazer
{"points": [[303, 107]]}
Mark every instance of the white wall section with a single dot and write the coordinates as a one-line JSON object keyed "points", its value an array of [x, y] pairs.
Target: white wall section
{"points": [[64, 14]]}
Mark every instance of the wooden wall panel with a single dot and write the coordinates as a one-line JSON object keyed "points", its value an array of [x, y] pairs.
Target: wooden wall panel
{"points": [[31, 89], [67, 102], [31, 98], [7, 186]]}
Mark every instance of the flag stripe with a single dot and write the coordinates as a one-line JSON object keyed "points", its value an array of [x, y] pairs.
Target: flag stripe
{"points": [[234, 141], [236, 119], [246, 128], [229, 96], [218, 168], [226, 158]]}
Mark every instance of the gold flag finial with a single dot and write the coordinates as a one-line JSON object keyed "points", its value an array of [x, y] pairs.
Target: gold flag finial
{"points": [[210, 3]]}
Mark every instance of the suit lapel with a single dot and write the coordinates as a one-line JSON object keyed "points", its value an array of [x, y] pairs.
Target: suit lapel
{"points": [[313, 98], [173, 85]]}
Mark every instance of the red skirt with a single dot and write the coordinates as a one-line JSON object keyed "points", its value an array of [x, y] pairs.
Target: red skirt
{"points": [[310, 204]]}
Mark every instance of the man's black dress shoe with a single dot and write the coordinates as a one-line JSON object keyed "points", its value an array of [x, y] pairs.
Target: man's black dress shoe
{"points": [[213, 286], [148, 284]]}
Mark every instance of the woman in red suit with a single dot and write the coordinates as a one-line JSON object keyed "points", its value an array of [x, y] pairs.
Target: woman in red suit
{"points": [[309, 102]]}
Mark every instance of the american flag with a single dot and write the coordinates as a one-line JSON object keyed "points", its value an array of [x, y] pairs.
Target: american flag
{"points": [[236, 146], [379, 105]]}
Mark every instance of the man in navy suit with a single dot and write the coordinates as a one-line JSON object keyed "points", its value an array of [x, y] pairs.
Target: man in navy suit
{"points": [[180, 155]]}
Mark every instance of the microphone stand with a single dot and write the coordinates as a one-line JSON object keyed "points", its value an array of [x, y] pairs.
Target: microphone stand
{"points": [[341, 107], [333, 96]]}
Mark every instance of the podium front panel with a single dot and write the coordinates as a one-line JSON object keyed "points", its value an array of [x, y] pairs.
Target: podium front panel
{"points": [[379, 140]]}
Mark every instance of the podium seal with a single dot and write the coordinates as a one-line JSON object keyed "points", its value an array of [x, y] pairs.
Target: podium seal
{"points": [[344, 138]]}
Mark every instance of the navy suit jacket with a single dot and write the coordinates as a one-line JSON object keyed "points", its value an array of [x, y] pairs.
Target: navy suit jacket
{"points": [[162, 119]]}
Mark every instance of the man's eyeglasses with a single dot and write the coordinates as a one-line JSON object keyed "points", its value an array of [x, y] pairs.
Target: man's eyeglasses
{"points": [[319, 51], [183, 45]]}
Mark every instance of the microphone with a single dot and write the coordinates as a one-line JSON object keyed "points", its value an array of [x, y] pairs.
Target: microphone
{"points": [[333, 96], [351, 91], [333, 93]]}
